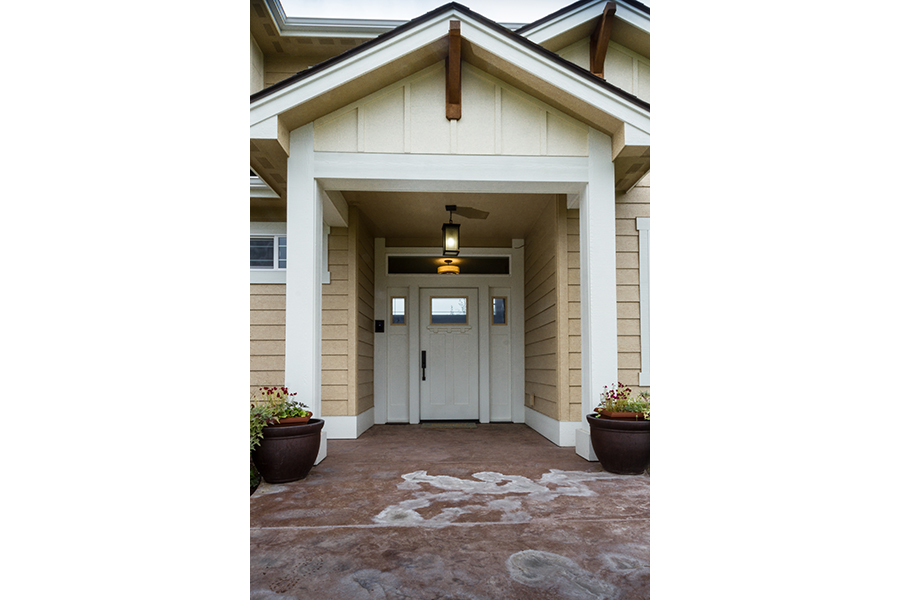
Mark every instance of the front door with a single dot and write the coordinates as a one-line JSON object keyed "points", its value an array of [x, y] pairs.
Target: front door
{"points": [[449, 350]]}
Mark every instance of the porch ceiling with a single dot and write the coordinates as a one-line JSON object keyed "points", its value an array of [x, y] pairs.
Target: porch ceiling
{"points": [[415, 218]]}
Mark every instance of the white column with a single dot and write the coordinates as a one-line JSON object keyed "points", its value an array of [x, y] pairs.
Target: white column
{"points": [[597, 228], [303, 309]]}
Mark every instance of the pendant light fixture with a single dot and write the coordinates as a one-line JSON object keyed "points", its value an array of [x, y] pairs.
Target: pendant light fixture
{"points": [[450, 233], [448, 269]]}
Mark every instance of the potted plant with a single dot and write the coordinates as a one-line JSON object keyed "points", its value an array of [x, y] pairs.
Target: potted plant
{"points": [[620, 430], [284, 439]]}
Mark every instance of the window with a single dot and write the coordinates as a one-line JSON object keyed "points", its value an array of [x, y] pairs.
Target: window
{"points": [[268, 252], [398, 311], [498, 310], [449, 311]]}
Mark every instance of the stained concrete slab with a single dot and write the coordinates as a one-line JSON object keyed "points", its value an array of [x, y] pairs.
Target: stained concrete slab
{"points": [[492, 512]]}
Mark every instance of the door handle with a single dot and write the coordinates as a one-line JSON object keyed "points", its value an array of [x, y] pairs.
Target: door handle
{"points": [[423, 365]]}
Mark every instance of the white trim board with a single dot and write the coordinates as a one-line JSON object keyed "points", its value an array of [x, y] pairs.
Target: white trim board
{"points": [[349, 428], [561, 433]]}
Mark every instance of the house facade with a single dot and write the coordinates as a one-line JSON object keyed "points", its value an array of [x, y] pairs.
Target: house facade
{"points": [[367, 137]]}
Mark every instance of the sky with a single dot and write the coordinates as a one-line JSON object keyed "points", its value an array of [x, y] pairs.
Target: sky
{"points": [[501, 11]]}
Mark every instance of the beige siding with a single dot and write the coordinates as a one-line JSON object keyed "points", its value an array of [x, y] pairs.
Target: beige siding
{"points": [[541, 331], [335, 321], [365, 322], [266, 335], [636, 203], [573, 347]]}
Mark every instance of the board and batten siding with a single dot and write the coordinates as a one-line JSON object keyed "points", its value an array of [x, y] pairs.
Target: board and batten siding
{"points": [[267, 303], [629, 206], [409, 116], [623, 68]]}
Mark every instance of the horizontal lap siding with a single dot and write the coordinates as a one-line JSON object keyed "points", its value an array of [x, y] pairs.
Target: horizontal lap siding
{"points": [[267, 303], [573, 248], [335, 322], [365, 326], [630, 206], [541, 329]]}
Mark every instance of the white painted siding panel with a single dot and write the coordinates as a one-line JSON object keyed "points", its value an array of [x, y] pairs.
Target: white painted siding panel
{"points": [[430, 128], [476, 127], [340, 134], [384, 123]]}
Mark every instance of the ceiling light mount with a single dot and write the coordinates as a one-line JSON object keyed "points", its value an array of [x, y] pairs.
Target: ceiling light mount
{"points": [[449, 268]]}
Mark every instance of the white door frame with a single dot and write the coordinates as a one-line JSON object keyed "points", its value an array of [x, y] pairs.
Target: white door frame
{"points": [[412, 284]]}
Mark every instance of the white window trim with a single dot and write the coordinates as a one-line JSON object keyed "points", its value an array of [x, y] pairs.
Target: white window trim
{"points": [[259, 229], [326, 274], [275, 238], [643, 226]]}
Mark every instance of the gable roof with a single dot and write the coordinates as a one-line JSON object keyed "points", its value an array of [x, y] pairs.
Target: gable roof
{"points": [[513, 36], [422, 42]]}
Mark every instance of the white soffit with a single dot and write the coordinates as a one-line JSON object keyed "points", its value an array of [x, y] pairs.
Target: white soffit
{"points": [[430, 33]]}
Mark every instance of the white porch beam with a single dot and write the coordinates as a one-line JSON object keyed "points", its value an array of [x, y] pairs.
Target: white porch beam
{"points": [[392, 172], [336, 209], [303, 308], [597, 223]]}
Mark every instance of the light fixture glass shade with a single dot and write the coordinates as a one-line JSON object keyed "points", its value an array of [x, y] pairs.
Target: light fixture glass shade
{"points": [[448, 270], [451, 239]]}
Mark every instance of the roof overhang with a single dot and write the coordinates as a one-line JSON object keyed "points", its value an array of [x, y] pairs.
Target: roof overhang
{"points": [[631, 25], [313, 93]]}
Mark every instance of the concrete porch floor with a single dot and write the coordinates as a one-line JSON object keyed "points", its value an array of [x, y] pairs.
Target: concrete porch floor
{"points": [[492, 512]]}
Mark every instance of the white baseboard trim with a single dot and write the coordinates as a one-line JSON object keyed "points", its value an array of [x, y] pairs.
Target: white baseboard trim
{"points": [[349, 428], [561, 433], [583, 447]]}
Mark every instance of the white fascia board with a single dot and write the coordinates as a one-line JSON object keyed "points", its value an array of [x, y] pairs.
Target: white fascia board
{"points": [[555, 27], [259, 189], [475, 33], [349, 69], [462, 173]]}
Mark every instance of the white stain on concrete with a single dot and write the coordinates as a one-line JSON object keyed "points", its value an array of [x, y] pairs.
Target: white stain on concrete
{"points": [[558, 574], [480, 494]]}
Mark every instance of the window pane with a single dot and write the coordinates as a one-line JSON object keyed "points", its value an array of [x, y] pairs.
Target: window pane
{"points": [[449, 310], [262, 253], [282, 253], [499, 311], [398, 311]]}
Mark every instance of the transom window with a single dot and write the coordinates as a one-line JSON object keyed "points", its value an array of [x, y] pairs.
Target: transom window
{"points": [[268, 252]]}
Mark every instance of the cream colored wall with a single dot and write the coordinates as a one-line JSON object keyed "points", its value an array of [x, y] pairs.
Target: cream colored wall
{"points": [[365, 323], [634, 204], [335, 324], [266, 335], [623, 68], [578, 53], [628, 70], [573, 337], [257, 67], [541, 345], [410, 117]]}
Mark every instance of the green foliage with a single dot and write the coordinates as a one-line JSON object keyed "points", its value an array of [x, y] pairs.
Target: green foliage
{"points": [[270, 404], [620, 399]]}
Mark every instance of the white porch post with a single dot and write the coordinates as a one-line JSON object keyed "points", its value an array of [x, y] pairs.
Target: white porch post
{"points": [[303, 309], [597, 228]]}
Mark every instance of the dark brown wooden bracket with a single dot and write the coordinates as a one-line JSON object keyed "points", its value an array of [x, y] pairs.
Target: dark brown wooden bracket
{"points": [[600, 39], [454, 73]]}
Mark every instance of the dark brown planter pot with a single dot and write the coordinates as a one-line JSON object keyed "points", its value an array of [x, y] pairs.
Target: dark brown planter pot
{"points": [[287, 421], [631, 416], [623, 446], [287, 453]]}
